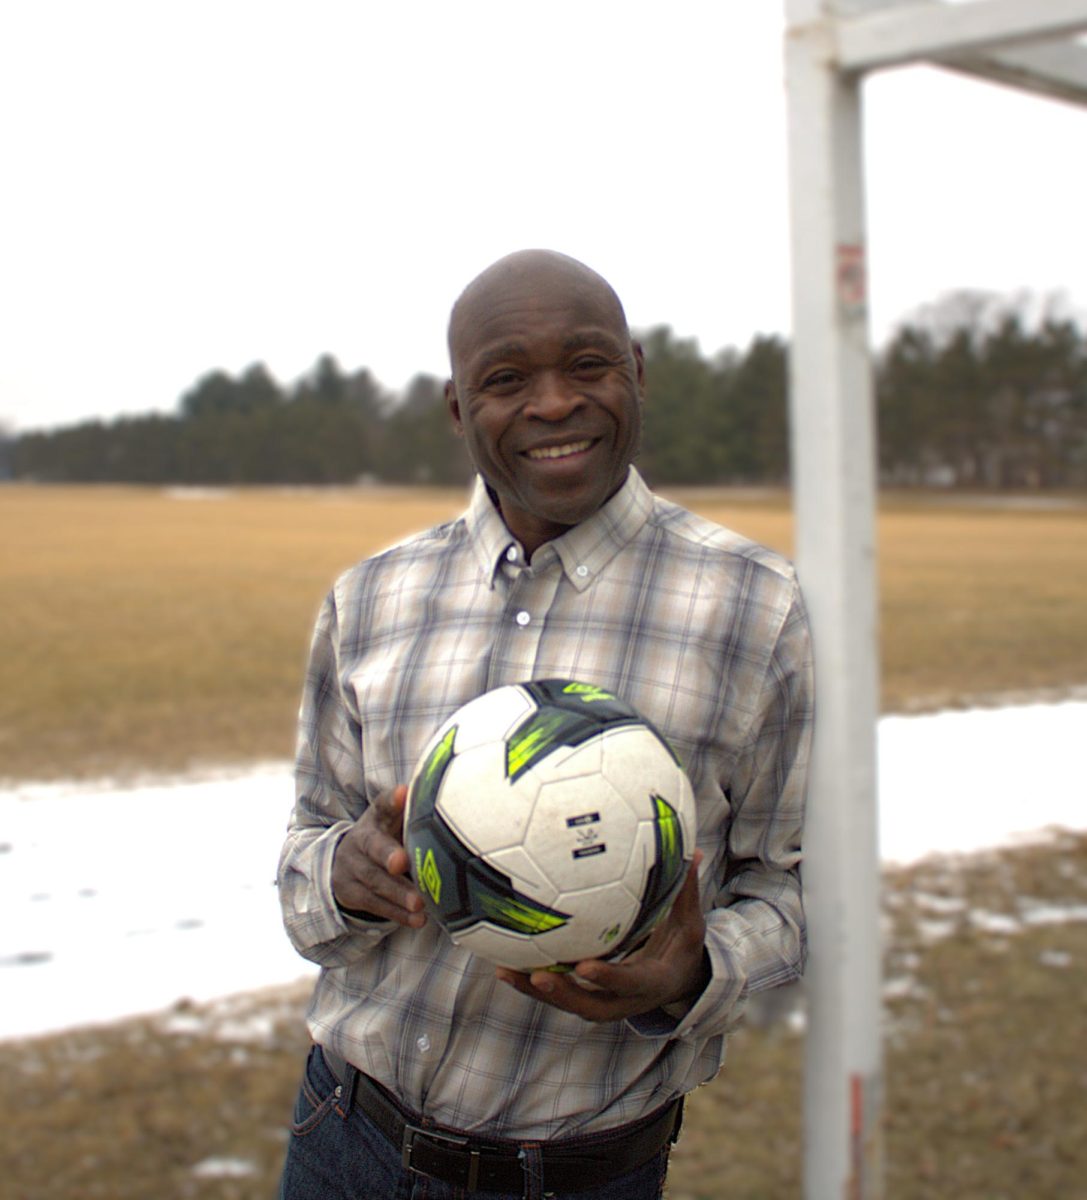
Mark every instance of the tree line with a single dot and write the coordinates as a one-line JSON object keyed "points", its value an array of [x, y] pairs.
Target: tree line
{"points": [[970, 393]]}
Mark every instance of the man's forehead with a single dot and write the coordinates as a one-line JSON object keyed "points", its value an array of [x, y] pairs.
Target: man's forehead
{"points": [[481, 353], [521, 288]]}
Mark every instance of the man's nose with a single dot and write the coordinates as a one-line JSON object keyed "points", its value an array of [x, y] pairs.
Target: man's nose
{"points": [[553, 397]]}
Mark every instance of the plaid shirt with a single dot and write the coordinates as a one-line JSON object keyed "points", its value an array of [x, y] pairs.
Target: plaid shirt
{"points": [[703, 631]]}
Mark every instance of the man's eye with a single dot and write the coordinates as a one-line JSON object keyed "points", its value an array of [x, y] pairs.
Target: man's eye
{"points": [[501, 379], [588, 363]]}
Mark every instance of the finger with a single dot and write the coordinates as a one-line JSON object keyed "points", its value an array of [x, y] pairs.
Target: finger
{"points": [[560, 991], [389, 811], [393, 889], [688, 903], [370, 865], [621, 979], [380, 831], [372, 890]]}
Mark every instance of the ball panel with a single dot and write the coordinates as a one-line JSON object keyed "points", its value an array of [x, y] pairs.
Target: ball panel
{"points": [[486, 810], [581, 832], [637, 764], [525, 873], [600, 917], [502, 948], [494, 715]]}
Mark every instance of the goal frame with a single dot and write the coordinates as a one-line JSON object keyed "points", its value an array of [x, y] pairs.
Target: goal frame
{"points": [[830, 46]]}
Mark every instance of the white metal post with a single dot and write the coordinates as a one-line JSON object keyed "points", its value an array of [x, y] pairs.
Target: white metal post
{"points": [[829, 43], [833, 456]]}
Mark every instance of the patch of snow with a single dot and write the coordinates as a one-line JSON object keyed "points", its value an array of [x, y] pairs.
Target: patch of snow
{"points": [[960, 782], [998, 923], [942, 905], [224, 1168], [935, 931], [1053, 914], [900, 987], [195, 493]]}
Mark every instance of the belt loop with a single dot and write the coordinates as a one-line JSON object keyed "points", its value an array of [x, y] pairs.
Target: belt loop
{"points": [[532, 1165], [345, 1101]]}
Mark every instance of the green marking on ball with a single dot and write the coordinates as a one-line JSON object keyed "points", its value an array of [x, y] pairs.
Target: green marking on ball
{"points": [[520, 916], [428, 874], [588, 692], [533, 741], [670, 837], [440, 755], [425, 788]]}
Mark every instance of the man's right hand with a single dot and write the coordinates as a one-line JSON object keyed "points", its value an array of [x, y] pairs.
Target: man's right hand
{"points": [[370, 865]]}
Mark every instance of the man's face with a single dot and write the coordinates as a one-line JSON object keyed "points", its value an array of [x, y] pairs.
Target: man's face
{"points": [[547, 391]]}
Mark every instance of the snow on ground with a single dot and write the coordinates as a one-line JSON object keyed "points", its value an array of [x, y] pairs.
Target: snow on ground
{"points": [[119, 901]]}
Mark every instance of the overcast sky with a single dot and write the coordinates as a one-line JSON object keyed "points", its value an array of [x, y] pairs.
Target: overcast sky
{"points": [[208, 184]]}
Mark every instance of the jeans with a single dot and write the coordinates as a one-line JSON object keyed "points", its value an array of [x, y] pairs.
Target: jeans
{"points": [[332, 1156]]}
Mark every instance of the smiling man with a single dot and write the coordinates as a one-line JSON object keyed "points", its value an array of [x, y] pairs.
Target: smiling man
{"points": [[433, 1074]]}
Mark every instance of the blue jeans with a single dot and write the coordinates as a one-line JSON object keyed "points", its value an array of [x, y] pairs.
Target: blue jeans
{"points": [[337, 1156]]}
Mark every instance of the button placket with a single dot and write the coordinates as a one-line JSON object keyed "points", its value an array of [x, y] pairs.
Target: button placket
{"points": [[516, 646]]}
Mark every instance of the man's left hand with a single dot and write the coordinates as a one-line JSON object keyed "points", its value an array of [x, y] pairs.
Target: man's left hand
{"points": [[666, 970]]}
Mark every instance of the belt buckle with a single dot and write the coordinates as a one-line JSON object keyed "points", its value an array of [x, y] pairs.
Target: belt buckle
{"points": [[459, 1143]]}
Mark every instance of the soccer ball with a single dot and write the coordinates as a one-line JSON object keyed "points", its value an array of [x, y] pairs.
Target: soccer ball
{"points": [[548, 822]]}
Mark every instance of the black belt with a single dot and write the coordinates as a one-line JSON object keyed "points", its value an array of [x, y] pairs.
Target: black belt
{"points": [[479, 1164]]}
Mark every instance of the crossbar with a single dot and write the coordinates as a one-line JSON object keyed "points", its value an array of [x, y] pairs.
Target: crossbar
{"points": [[908, 32], [1055, 69]]}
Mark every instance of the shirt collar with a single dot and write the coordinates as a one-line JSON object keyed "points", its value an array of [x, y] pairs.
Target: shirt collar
{"points": [[584, 551]]}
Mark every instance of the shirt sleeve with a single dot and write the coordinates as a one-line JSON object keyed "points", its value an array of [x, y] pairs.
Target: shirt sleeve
{"points": [[755, 932], [329, 798]]}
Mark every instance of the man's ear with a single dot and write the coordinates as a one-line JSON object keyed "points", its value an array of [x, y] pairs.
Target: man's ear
{"points": [[639, 367], [454, 407]]}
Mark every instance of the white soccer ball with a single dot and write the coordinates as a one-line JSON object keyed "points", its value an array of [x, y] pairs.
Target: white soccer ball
{"points": [[548, 822]]}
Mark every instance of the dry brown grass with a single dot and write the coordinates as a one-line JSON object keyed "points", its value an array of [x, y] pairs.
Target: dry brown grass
{"points": [[140, 631]]}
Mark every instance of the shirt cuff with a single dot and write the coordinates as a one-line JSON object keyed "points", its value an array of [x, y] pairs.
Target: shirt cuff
{"points": [[702, 1016]]}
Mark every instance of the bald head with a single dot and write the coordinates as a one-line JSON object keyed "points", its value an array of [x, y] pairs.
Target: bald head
{"points": [[530, 272]]}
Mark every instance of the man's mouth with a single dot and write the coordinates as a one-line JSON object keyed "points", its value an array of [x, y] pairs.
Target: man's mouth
{"points": [[540, 453]]}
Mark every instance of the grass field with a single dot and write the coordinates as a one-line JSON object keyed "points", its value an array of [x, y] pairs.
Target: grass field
{"points": [[141, 631], [144, 631]]}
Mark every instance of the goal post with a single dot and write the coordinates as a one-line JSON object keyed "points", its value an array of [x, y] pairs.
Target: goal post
{"points": [[829, 46]]}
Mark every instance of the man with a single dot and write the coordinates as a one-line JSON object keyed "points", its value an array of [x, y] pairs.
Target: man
{"points": [[434, 1074]]}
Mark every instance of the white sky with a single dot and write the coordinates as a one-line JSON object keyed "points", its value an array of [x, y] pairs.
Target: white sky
{"points": [[207, 184]]}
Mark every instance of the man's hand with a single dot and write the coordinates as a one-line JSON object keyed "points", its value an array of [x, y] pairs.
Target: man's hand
{"points": [[370, 866], [667, 969]]}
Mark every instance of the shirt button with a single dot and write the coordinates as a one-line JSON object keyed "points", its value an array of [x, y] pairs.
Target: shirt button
{"points": [[523, 618], [511, 554], [582, 571], [423, 1043]]}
